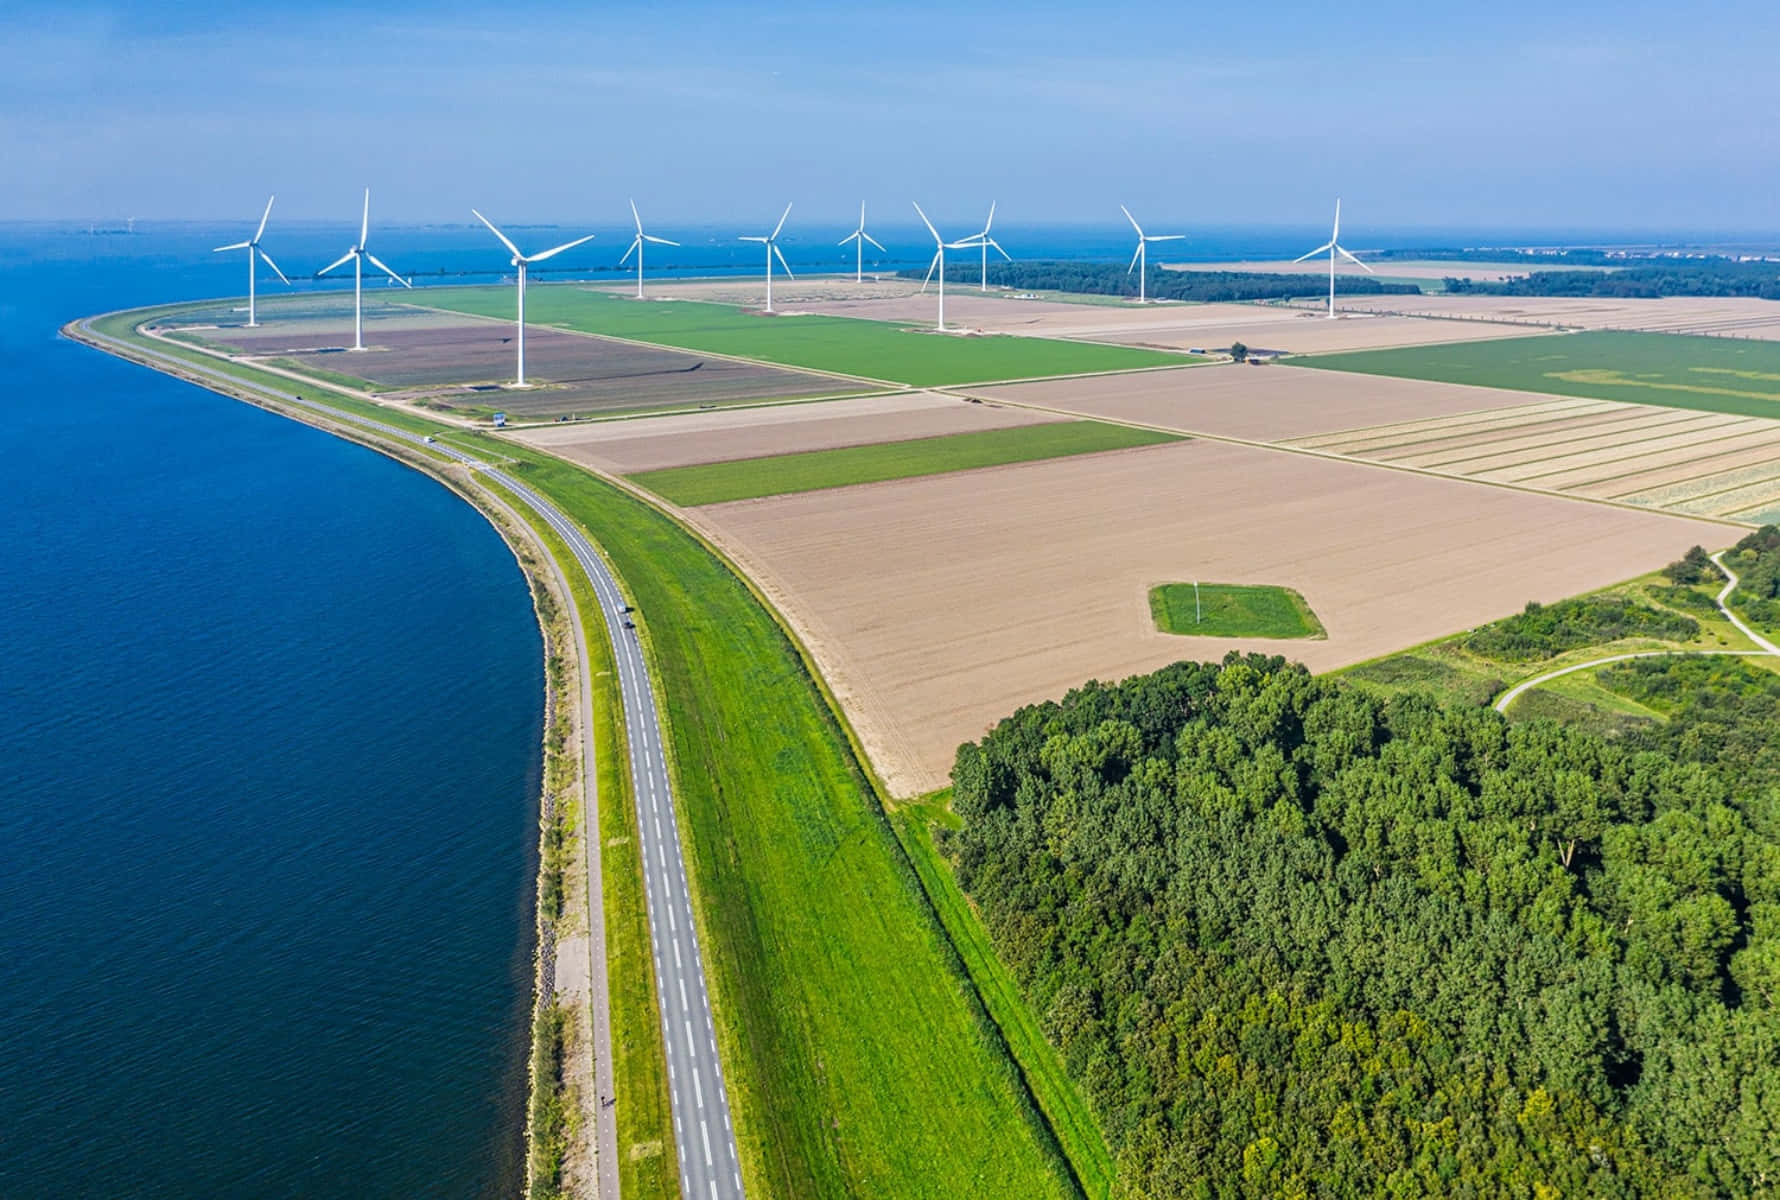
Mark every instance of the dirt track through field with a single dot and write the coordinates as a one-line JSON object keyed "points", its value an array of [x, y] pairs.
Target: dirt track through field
{"points": [[936, 606]]}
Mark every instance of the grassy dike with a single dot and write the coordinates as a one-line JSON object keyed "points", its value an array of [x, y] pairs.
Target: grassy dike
{"points": [[860, 1057], [555, 1122]]}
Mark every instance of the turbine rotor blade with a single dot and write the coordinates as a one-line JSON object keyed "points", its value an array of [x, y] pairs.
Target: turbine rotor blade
{"points": [[874, 241], [634, 243], [267, 216], [1131, 219], [364, 225], [929, 224], [937, 255], [1356, 262], [991, 220], [338, 262], [850, 238], [1000, 251], [384, 267], [636, 217], [505, 240], [1135, 255], [273, 265], [781, 223], [659, 241], [780, 255], [555, 250], [232, 246], [1165, 237], [750, 238], [1314, 253]]}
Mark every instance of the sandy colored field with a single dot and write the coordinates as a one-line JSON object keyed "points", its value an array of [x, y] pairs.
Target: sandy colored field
{"points": [[1679, 460], [1429, 269], [937, 606], [646, 444], [788, 294], [1262, 403], [1730, 316]]}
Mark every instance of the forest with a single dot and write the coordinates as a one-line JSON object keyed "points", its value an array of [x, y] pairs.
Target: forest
{"points": [[1756, 560], [1648, 280], [1294, 937], [1108, 279], [1547, 630]]}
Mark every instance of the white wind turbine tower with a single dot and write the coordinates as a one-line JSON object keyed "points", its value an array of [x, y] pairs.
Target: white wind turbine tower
{"points": [[1141, 258], [771, 242], [940, 246], [522, 261], [1333, 246], [984, 241], [252, 246], [357, 255], [636, 246], [860, 237]]}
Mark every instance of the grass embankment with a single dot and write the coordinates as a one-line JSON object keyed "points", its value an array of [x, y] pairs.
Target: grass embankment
{"points": [[858, 1059], [1726, 375], [842, 345], [1232, 610], [1475, 667], [812, 470]]}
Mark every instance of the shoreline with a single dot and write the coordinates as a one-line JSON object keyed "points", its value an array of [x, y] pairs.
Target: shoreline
{"points": [[565, 740]]}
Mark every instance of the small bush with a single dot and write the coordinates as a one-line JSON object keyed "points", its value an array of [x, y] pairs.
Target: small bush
{"points": [[1546, 631]]}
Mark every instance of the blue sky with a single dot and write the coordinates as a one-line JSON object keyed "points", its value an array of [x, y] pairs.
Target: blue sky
{"points": [[1500, 116]]}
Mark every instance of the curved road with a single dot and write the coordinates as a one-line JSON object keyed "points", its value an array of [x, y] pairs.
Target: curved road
{"points": [[704, 1136], [1766, 647]]}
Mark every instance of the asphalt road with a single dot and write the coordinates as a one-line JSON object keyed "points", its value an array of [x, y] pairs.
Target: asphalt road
{"points": [[704, 1136]]}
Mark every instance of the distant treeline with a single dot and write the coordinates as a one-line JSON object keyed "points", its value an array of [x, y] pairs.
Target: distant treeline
{"points": [[1108, 279], [1649, 281], [1572, 258]]}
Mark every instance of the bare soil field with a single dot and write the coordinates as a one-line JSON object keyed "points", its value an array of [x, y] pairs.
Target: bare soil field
{"points": [[936, 606], [646, 444], [1679, 460], [788, 294], [463, 361], [1268, 403], [1727, 316]]}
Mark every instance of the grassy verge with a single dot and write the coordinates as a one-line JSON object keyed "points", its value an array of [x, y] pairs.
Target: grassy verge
{"points": [[1062, 1103], [859, 1059], [841, 345], [808, 471], [1726, 375], [553, 1116], [1232, 610]]}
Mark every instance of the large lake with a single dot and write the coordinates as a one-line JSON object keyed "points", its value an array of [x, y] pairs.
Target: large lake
{"points": [[270, 711]]}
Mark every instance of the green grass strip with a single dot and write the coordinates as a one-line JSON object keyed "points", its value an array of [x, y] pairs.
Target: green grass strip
{"points": [[858, 1058], [812, 470], [1726, 375], [843, 345], [1233, 610]]}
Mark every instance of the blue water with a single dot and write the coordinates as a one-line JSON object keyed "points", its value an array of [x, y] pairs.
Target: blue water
{"points": [[270, 709]]}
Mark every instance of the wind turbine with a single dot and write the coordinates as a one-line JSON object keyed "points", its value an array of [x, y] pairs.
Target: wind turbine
{"points": [[771, 242], [522, 261], [252, 246], [940, 246], [1333, 246], [636, 246], [1141, 258], [985, 241], [861, 237], [356, 255]]}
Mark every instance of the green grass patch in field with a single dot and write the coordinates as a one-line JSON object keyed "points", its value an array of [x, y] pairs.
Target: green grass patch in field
{"points": [[1728, 375], [859, 1059], [1233, 610], [781, 474], [871, 350]]}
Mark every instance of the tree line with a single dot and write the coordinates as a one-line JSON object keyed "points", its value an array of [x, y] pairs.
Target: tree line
{"points": [[1295, 938], [1107, 279], [1756, 561], [1684, 277]]}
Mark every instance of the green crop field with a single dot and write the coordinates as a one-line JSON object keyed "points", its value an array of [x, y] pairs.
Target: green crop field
{"points": [[1727, 375], [1233, 610], [858, 1058], [808, 471], [843, 345]]}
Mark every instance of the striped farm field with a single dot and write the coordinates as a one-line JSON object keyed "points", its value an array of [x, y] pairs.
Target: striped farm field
{"points": [[1709, 464]]}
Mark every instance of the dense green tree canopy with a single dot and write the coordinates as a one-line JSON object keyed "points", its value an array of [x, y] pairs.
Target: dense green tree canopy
{"points": [[1108, 279], [1295, 939]]}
